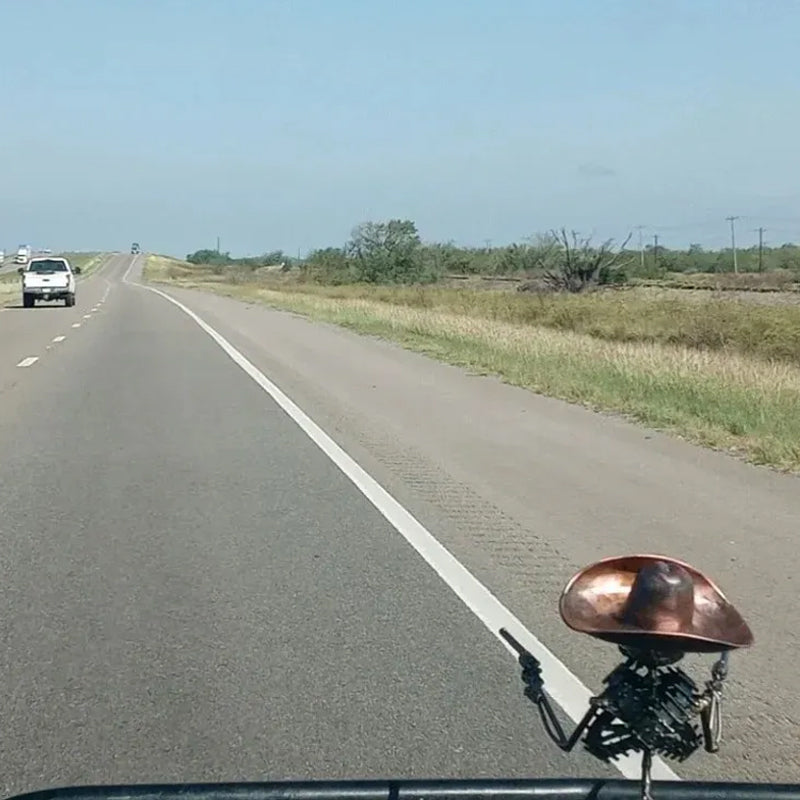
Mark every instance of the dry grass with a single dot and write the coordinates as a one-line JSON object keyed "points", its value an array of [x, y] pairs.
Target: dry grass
{"points": [[779, 280], [714, 396], [161, 268], [701, 321], [9, 288], [88, 262]]}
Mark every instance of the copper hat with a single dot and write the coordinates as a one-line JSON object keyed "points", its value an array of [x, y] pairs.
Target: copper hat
{"points": [[652, 602]]}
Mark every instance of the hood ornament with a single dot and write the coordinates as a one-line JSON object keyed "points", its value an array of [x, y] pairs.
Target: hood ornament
{"points": [[656, 609]]}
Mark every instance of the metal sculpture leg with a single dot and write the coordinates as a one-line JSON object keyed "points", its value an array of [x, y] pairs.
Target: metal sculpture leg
{"points": [[647, 766], [649, 706]]}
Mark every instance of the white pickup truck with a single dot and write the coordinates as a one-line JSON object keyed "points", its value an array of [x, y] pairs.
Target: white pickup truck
{"points": [[48, 279]]}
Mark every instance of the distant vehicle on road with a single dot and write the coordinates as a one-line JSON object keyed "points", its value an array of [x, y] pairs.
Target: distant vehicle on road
{"points": [[23, 254], [48, 279], [135, 248]]}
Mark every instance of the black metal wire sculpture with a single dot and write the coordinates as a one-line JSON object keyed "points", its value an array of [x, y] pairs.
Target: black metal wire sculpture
{"points": [[649, 705]]}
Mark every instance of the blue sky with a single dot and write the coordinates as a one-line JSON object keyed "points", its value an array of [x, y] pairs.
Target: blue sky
{"points": [[284, 124]]}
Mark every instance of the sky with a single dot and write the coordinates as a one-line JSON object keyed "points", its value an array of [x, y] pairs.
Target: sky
{"points": [[282, 124]]}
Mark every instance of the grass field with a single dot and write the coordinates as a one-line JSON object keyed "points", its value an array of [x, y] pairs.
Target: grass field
{"points": [[722, 373]]}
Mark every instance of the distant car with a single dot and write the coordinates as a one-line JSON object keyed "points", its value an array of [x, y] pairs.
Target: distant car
{"points": [[23, 254], [135, 249], [48, 279]]}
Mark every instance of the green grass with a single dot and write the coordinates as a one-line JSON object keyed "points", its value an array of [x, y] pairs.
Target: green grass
{"points": [[688, 367]]}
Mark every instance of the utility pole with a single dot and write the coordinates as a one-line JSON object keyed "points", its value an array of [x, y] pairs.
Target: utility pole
{"points": [[760, 249], [733, 242], [217, 245], [640, 228], [655, 250]]}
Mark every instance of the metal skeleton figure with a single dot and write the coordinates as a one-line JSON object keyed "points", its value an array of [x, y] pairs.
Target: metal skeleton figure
{"points": [[656, 610]]}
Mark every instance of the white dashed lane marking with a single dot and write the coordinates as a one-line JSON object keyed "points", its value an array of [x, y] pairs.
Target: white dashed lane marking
{"points": [[59, 338], [29, 361], [76, 324]]}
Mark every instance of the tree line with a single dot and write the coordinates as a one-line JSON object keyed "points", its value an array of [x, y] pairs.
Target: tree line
{"points": [[393, 252]]}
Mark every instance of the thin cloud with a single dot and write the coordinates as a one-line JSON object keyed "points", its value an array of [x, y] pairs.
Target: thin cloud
{"points": [[596, 171]]}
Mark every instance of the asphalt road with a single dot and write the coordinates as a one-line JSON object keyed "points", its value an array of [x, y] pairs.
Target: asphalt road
{"points": [[191, 590]]}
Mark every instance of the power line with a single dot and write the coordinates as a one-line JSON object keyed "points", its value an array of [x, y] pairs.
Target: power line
{"points": [[788, 231], [708, 222]]}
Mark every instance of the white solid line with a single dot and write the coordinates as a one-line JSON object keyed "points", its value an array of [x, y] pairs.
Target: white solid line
{"points": [[128, 272], [564, 687], [59, 338], [76, 324], [29, 361]]}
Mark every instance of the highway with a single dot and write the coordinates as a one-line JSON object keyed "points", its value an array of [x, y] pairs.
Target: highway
{"points": [[195, 588]]}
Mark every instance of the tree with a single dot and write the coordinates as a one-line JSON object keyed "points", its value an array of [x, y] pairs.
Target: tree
{"points": [[535, 255], [581, 265], [275, 257], [386, 252], [328, 266], [209, 257], [440, 258]]}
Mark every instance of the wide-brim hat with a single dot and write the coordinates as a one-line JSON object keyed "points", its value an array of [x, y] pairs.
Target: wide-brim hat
{"points": [[652, 602]]}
